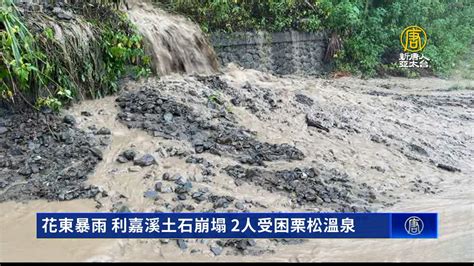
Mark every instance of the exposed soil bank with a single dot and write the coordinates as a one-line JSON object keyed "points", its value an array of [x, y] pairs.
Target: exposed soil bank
{"points": [[362, 145]]}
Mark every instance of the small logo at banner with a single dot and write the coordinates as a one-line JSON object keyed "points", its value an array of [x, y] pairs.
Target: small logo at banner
{"points": [[414, 225]]}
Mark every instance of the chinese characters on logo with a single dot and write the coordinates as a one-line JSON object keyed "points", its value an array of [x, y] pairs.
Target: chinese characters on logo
{"points": [[413, 40]]}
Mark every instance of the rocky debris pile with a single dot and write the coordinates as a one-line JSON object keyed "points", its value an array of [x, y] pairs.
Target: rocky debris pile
{"points": [[44, 156], [323, 188], [207, 130], [259, 101]]}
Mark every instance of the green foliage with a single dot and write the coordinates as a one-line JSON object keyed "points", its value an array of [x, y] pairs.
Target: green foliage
{"points": [[19, 61], [376, 40], [248, 15], [369, 29], [33, 69], [123, 54]]}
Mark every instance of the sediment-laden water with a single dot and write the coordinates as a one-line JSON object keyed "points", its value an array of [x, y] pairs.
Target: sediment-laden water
{"points": [[241, 140], [370, 157]]}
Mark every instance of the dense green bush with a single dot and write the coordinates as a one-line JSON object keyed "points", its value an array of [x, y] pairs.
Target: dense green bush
{"points": [[369, 29], [34, 69]]}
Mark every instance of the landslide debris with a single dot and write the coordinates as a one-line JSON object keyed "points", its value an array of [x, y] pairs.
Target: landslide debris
{"points": [[43, 156]]}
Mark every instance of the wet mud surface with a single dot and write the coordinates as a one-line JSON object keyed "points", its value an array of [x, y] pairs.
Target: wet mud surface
{"points": [[242, 141]]}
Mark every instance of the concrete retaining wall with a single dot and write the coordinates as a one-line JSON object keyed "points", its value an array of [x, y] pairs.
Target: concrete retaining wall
{"points": [[280, 53]]}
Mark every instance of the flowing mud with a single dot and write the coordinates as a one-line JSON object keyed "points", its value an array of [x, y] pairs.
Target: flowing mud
{"points": [[176, 44], [249, 141]]}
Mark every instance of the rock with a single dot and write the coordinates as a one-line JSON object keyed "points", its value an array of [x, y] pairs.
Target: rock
{"points": [[448, 168], [418, 149], [158, 186], [86, 113], [184, 188], [124, 208], [166, 189], [145, 160], [239, 205], [221, 201], [181, 180], [182, 244], [378, 168], [97, 153], [103, 131], [199, 196], [168, 117], [164, 241], [235, 101], [25, 171], [312, 121], [3, 130], [217, 250], [182, 196], [122, 159], [251, 242], [174, 177], [129, 154], [69, 119], [194, 160], [303, 99], [166, 176], [134, 169], [151, 194]]}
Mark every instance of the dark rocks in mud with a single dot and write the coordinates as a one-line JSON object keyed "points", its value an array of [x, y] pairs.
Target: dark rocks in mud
{"points": [[182, 244], [328, 188], [69, 119], [126, 156], [86, 113], [3, 130], [448, 168], [146, 108], [183, 188], [418, 149], [221, 201], [194, 160], [239, 245], [97, 153], [129, 154], [259, 101], [303, 99], [103, 131], [145, 160], [45, 157], [313, 121], [217, 250]]}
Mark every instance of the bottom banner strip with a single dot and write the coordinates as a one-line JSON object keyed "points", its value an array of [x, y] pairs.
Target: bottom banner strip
{"points": [[237, 225]]}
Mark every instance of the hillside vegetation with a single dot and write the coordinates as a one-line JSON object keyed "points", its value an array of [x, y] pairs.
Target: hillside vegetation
{"points": [[364, 33]]}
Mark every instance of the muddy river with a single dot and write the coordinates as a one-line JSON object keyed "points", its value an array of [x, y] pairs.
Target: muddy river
{"points": [[406, 145]]}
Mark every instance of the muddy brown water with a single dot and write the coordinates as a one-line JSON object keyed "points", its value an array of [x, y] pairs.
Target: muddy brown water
{"points": [[412, 119], [176, 45]]}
